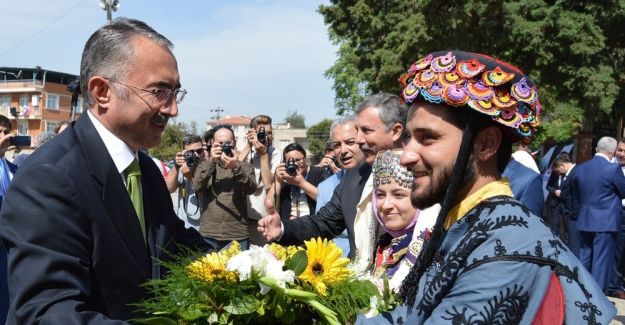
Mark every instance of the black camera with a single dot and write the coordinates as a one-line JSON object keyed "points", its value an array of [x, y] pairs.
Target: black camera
{"points": [[261, 135], [191, 159], [227, 149], [334, 161], [291, 167]]}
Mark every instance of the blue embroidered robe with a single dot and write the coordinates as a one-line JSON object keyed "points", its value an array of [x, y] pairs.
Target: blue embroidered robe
{"points": [[494, 267]]}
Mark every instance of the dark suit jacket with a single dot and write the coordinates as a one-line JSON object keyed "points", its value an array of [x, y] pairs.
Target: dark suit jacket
{"points": [[314, 177], [335, 216], [570, 204], [76, 252], [599, 186]]}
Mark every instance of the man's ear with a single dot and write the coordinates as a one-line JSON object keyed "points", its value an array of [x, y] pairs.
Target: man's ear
{"points": [[397, 130], [100, 90], [487, 143]]}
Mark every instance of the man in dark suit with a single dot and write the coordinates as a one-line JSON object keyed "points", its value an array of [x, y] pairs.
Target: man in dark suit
{"points": [[88, 218], [7, 170], [617, 286], [599, 186], [565, 204], [380, 119]]}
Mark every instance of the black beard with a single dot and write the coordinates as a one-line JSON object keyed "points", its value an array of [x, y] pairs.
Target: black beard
{"points": [[438, 189]]}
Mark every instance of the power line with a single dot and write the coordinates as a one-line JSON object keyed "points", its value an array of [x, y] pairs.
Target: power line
{"points": [[41, 30]]}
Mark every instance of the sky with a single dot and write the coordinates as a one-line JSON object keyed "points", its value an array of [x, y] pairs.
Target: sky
{"points": [[247, 57]]}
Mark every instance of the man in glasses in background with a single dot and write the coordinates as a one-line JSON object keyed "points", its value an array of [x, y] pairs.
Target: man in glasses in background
{"points": [[190, 203], [88, 219]]}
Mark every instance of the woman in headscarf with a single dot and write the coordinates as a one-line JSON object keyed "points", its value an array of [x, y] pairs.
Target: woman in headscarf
{"points": [[406, 226]]}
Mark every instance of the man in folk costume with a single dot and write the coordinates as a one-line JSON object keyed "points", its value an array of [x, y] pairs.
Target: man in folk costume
{"points": [[489, 259]]}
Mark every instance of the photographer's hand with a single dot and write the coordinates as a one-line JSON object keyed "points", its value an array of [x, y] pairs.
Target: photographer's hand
{"points": [[216, 152], [230, 162], [281, 173], [5, 140], [184, 169]]}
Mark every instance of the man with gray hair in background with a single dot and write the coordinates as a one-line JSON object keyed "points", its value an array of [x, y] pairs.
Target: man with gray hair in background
{"points": [[348, 155], [381, 122], [598, 187]]}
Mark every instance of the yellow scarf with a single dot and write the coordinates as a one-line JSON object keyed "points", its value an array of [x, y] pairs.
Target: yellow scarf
{"points": [[498, 187]]}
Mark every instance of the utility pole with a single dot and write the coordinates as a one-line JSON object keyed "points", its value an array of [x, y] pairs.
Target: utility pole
{"points": [[217, 112], [109, 6]]}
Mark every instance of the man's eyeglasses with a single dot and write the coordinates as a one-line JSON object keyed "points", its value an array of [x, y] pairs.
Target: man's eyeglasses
{"points": [[162, 95], [5, 132]]}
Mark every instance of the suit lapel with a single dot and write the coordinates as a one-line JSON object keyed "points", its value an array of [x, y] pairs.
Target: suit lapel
{"points": [[114, 195]]}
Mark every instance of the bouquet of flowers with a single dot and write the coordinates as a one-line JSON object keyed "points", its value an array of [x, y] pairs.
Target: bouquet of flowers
{"points": [[263, 285]]}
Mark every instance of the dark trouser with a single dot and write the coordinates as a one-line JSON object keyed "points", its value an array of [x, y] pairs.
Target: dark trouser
{"points": [[597, 255], [616, 282], [573, 237], [217, 245]]}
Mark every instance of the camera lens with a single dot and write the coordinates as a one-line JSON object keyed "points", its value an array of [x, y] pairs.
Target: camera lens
{"points": [[191, 159], [291, 167], [227, 149], [261, 135]]}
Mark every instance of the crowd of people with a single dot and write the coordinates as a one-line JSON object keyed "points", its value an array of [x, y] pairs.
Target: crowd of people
{"points": [[433, 189]]}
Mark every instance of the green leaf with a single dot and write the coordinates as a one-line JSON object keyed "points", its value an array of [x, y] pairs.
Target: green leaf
{"points": [[243, 306], [193, 312], [157, 321], [297, 263]]}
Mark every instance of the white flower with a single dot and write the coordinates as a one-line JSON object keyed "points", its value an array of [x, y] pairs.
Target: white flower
{"points": [[261, 261]]}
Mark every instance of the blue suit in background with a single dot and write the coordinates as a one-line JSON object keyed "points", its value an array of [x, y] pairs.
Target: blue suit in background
{"points": [[526, 185], [599, 186]]}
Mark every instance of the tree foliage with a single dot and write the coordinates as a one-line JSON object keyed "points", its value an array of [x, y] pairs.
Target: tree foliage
{"points": [[296, 119], [171, 140], [318, 135], [574, 51]]}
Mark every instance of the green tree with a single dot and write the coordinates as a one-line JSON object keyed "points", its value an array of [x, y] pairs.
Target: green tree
{"points": [[171, 140], [318, 135], [574, 51], [296, 119]]}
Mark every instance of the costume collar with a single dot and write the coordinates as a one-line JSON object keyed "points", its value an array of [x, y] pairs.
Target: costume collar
{"points": [[496, 188], [602, 155]]}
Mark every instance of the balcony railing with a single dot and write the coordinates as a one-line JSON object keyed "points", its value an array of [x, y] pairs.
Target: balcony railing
{"points": [[23, 83], [34, 113]]}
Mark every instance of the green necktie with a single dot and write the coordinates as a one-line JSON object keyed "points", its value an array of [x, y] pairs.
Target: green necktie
{"points": [[133, 185]]}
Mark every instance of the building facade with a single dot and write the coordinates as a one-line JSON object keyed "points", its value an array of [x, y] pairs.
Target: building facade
{"points": [[36, 100]]}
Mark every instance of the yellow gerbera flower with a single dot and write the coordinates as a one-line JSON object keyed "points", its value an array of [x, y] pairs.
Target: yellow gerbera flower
{"points": [[325, 264], [211, 267]]}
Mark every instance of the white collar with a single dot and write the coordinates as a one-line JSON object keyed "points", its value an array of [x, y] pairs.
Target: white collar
{"points": [[119, 151], [602, 155]]}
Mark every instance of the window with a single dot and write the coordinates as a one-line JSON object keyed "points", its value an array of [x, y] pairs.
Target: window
{"points": [[52, 101], [50, 126], [5, 101], [22, 127], [79, 107], [24, 101]]}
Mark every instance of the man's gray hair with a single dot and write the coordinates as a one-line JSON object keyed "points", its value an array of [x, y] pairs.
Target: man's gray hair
{"points": [[44, 137], [390, 109], [341, 121], [109, 51], [606, 145]]}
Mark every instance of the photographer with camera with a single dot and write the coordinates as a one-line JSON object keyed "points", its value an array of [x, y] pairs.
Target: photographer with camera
{"points": [[190, 203], [259, 152], [329, 162], [295, 183], [227, 182]]}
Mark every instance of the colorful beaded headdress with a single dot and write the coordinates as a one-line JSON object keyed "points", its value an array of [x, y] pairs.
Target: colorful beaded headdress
{"points": [[482, 83], [387, 166]]}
